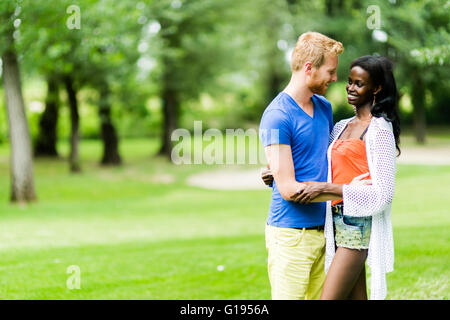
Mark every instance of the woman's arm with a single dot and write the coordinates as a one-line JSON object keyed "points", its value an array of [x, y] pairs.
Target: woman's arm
{"points": [[361, 198], [322, 191], [318, 192], [363, 201]]}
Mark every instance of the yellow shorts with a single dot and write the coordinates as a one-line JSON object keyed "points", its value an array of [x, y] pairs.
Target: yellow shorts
{"points": [[295, 263]]}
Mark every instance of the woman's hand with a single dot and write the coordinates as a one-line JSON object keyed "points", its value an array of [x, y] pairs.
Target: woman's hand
{"points": [[312, 190], [359, 180]]}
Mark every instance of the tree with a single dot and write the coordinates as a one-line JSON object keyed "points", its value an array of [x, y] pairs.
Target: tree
{"points": [[96, 53], [191, 53], [108, 131], [74, 157], [50, 49], [108, 57], [22, 182], [45, 144], [419, 35]]}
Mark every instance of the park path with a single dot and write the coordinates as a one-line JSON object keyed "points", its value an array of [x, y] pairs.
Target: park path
{"points": [[235, 178]]}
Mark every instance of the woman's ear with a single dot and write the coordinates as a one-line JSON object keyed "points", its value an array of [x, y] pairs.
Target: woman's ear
{"points": [[378, 89]]}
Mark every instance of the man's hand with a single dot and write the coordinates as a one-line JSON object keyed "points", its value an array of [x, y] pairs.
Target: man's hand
{"points": [[266, 176], [311, 190]]}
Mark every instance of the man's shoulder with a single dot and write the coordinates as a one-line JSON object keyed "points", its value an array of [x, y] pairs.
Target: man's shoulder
{"points": [[322, 100], [279, 105], [281, 101]]}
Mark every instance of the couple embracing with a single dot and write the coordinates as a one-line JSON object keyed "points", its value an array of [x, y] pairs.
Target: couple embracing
{"points": [[332, 185]]}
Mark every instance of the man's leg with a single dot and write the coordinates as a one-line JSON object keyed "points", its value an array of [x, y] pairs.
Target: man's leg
{"points": [[317, 276], [290, 260]]}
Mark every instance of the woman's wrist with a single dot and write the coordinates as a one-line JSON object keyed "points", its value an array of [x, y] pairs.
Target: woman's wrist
{"points": [[335, 189]]}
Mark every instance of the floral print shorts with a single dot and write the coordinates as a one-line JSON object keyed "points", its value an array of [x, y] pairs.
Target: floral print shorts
{"points": [[351, 232]]}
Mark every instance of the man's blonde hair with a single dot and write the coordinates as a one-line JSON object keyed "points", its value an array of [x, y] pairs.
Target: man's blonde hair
{"points": [[314, 47]]}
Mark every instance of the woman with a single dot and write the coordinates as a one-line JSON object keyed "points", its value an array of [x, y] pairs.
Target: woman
{"points": [[359, 227]]}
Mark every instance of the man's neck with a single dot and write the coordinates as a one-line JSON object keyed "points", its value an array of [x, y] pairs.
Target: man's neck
{"points": [[300, 93]]}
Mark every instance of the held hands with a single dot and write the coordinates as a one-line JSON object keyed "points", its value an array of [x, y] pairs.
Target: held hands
{"points": [[310, 191], [313, 189]]}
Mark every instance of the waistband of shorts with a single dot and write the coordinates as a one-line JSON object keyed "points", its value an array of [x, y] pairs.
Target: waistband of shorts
{"points": [[318, 228], [338, 208]]}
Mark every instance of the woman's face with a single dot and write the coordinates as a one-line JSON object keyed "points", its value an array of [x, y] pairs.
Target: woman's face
{"points": [[359, 87]]}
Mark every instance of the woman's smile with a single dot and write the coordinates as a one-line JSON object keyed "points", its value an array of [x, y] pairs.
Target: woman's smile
{"points": [[351, 97]]}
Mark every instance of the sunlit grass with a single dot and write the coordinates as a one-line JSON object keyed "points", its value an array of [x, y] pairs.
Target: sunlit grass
{"points": [[137, 234]]}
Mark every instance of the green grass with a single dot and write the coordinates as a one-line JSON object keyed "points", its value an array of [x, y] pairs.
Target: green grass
{"points": [[139, 232]]}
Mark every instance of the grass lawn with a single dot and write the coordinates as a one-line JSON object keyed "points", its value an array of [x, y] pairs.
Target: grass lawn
{"points": [[139, 232]]}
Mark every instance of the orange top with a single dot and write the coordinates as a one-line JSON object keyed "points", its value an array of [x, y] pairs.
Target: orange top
{"points": [[348, 160]]}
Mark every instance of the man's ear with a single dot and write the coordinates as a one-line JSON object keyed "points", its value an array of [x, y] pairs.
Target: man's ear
{"points": [[307, 67], [378, 89]]}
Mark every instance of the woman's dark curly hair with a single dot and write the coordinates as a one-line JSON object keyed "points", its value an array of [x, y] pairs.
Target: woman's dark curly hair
{"points": [[386, 100]]}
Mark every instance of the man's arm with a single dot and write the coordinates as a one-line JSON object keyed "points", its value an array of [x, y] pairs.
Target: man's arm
{"points": [[281, 165]]}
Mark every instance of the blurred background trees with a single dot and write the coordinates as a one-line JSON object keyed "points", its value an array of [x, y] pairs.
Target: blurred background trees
{"points": [[22, 183], [144, 68]]}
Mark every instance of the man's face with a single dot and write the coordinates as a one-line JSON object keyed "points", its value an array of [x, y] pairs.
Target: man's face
{"points": [[321, 77]]}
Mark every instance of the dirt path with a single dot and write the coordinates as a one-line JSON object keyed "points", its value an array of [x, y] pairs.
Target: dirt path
{"points": [[249, 179], [425, 155]]}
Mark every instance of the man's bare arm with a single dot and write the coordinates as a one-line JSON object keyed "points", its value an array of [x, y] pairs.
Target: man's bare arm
{"points": [[281, 165]]}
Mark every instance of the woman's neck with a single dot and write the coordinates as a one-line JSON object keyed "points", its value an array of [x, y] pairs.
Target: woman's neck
{"points": [[363, 112]]}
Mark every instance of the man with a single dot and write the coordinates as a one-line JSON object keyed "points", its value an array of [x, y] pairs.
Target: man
{"points": [[294, 130]]}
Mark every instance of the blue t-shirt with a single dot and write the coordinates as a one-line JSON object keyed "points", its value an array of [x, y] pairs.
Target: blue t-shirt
{"points": [[284, 122]]}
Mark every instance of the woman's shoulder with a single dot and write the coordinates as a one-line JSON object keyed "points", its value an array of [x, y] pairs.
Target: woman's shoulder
{"points": [[381, 123], [344, 121], [380, 132]]}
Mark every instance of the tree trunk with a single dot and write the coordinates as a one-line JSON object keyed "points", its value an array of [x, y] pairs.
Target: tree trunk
{"points": [[356, 4], [171, 103], [276, 72], [333, 7], [275, 76], [46, 141], [418, 102], [170, 115], [21, 154], [108, 132], [74, 158], [329, 7], [275, 82]]}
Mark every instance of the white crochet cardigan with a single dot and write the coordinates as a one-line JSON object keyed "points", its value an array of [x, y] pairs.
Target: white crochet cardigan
{"points": [[373, 200]]}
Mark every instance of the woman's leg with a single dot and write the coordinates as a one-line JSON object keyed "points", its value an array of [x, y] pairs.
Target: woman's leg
{"points": [[359, 291], [343, 274]]}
